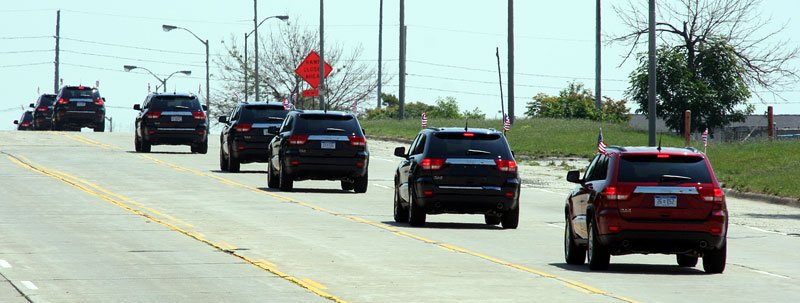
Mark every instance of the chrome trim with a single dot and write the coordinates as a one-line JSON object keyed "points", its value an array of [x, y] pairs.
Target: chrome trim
{"points": [[175, 128], [679, 190], [80, 100], [176, 113], [81, 111], [497, 188], [470, 161], [264, 125], [327, 138]]}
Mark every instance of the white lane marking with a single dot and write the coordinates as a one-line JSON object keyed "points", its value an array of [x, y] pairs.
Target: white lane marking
{"points": [[381, 186], [553, 225], [382, 159], [770, 274], [5, 264], [764, 230], [29, 285], [548, 191]]}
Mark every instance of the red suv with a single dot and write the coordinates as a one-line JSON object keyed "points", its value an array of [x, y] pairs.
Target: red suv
{"points": [[642, 200]]}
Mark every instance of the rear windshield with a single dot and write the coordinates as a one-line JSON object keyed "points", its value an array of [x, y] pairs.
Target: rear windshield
{"points": [[457, 145], [177, 103], [651, 169], [327, 124], [75, 93], [47, 100], [27, 116], [263, 114]]}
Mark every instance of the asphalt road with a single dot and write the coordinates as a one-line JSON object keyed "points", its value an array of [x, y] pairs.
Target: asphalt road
{"points": [[85, 219]]}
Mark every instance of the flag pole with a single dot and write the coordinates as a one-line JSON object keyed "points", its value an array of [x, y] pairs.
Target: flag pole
{"points": [[500, 79]]}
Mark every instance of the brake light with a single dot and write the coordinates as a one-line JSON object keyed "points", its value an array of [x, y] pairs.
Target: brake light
{"points": [[298, 139], [25, 123], [80, 87], [662, 156], [199, 115], [469, 135], [717, 196], [432, 163], [63, 101], [153, 115], [243, 127], [506, 165], [357, 140], [427, 193], [612, 193], [99, 101], [41, 108]]}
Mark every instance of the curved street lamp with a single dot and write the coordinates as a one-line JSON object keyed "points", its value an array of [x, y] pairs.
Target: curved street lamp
{"points": [[255, 30], [163, 81], [167, 28]]}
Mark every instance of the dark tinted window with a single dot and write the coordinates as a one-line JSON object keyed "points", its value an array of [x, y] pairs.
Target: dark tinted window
{"points": [[27, 116], [651, 168], [47, 100], [456, 145], [177, 103], [75, 93], [263, 114], [327, 124], [600, 169]]}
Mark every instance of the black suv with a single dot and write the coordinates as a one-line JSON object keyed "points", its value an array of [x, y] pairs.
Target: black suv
{"points": [[457, 170], [25, 121], [171, 119], [43, 112], [247, 132], [77, 107], [316, 145], [643, 200]]}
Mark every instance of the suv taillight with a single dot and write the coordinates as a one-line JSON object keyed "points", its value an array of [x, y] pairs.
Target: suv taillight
{"points": [[298, 139], [42, 108], [716, 195], [153, 115], [506, 165], [243, 127], [99, 101], [63, 101], [199, 115], [432, 163], [357, 140], [614, 194]]}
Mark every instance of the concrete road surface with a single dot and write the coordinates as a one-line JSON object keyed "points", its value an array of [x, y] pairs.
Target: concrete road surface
{"points": [[85, 219]]}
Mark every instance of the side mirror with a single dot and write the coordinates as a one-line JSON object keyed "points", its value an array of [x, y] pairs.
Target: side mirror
{"points": [[30, 105], [104, 99], [364, 131], [223, 119], [137, 107], [574, 176], [16, 121], [205, 107], [400, 152], [273, 130]]}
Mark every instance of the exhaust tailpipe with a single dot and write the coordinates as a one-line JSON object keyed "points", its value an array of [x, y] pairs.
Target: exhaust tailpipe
{"points": [[703, 244]]}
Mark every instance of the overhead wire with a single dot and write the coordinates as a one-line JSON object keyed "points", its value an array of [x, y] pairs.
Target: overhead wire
{"points": [[128, 58]]}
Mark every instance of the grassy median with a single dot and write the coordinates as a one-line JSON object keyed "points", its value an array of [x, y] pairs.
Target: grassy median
{"points": [[755, 166]]}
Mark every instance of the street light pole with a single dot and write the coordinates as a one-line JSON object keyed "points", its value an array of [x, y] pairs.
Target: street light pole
{"points": [[245, 67], [167, 28], [255, 32], [163, 81], [322, 89]]}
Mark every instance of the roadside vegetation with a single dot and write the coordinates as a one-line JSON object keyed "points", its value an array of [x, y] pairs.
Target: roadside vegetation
{"points": [[756, 166]]}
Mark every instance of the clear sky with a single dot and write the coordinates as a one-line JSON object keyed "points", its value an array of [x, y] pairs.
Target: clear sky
{"points": [[451, 46]]}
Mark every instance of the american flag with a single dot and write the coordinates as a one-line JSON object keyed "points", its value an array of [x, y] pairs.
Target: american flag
{"points": [[601, 145], [354, 106], [424, 120], [705, 138], [286, 104], [507, 124]]}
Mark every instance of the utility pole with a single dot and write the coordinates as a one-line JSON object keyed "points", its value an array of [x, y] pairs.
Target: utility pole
{"points": [[208, 82], [255, 30], [597, 63], [58, 39], [510, 61], [245, 67], [402, 110], [651, 70], [380, 52], [321, 88]]}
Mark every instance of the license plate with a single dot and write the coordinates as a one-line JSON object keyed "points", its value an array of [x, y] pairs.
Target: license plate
{"points": [[328, 145], [81, 104], [176, 119], [666, 201], [266, 132]]}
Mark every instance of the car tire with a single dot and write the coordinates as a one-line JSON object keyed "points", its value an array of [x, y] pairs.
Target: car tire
{"points": [[223, 163], [714, 260], [347, 185], [100, 129], [685, 260], [200, 148], [491, 219], [597, 254], [272, 179], [233, 163], [360, 184], [285, 182], [416, 213], [510, 219], [573, 253], [400, 212], [145, 145], [137, 144]]}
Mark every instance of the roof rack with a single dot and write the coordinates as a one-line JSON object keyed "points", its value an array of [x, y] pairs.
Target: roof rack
{"points": [[621, 148]]}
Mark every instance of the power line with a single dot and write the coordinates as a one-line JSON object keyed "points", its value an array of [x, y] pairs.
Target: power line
{"points": [[461, 92], [121, 71], [492, 83], [160, 19], [494, 71], [25, 64], [27, 51], [501, 35], [131, 59], [24, 37], [133, 47]]}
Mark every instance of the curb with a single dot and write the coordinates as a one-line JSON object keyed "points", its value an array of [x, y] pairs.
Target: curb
{"points": [[793, 202]]}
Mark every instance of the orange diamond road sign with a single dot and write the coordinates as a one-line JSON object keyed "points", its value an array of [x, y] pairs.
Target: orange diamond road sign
{"points": [[309, 69]]}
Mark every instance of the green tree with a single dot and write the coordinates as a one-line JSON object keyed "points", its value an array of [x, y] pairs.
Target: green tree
{"points": [[576, 102], [713, 87], [445, 108]]}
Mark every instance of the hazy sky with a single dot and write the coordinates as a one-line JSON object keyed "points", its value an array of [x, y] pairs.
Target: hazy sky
{"points": [[451, 46]]}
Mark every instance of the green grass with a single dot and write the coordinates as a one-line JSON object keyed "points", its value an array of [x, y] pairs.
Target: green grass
{"points": [[759, 166]]}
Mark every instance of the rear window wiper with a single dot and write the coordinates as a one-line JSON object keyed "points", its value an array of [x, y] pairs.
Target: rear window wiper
{"points": [[665, 178], [274, 118], [478, 151], [332, 129]]}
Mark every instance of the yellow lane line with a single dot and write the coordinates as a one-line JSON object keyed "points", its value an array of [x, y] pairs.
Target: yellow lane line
{"points": [[222, 246], [448, 247], [316, 284]]}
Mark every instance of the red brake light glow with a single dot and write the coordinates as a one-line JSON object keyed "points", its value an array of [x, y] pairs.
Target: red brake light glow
{"points": [[717, 196], [432, 164], [153, 115], [63, 101], [199, 115], [662, 156], [506, 165], [243, 127], [357, 141], [469, 135], [298, 139], [81, 87], [41, 108], [99, 101], [613, 194]]}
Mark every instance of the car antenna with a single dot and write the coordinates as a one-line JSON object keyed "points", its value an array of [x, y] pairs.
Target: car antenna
{"points": [[659, 142], [466, 124]]}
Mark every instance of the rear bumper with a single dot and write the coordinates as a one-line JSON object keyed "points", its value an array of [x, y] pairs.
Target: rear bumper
{"points": [[174, 136], [318, 168], [248, 152], [466, 199], [79, 118]]}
